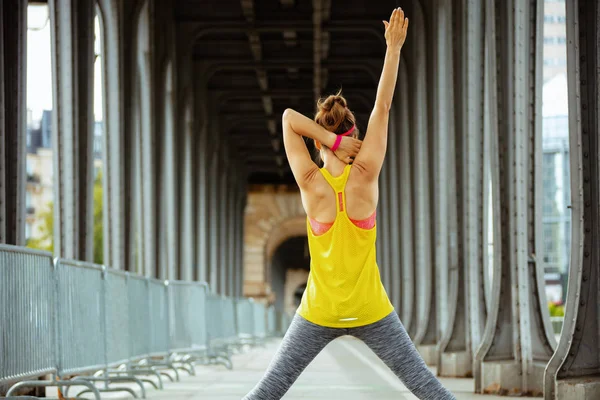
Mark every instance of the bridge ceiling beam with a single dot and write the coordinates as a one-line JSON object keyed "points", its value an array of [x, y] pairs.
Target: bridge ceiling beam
{"points": [[279, 50], [574, 370], [256, 49]]}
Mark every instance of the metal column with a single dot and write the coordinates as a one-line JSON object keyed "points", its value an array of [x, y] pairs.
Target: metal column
{"points": [[232, 229], [168, 185], [223, 200], [187, 214], [426, 331], [13, 121], [239, 244], [518, 341], [72, 26], [466, 302], [442, 163], [384, 222], [406, 202], [394, 225], [202, 181], [574, 370], [116, 102], [213, 220]]}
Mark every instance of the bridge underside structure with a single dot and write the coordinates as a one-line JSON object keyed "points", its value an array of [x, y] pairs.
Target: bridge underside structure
{"points": [[193, 96]]}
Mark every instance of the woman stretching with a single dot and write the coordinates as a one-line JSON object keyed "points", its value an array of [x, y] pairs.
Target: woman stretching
{"points": [[344, 294]]}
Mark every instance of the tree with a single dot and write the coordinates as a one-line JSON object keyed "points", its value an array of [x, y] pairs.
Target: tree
{"points": [[45, 239]]}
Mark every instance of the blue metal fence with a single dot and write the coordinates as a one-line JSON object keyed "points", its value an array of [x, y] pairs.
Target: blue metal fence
{"points": [[64, 318]]}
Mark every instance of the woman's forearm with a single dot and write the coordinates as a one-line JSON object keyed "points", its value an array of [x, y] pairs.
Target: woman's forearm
{"points": [[389, 74], [306, 127]]}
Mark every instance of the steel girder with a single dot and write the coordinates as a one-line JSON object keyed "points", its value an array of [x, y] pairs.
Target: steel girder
{"points": [[406, 205], [574, 368], [466, 304], [517, 341], [201, 29], [13, 121], [394, 231], [72, 25]]}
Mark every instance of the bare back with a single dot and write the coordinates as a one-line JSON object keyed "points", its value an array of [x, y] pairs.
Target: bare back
{"points": [[319, 199]]}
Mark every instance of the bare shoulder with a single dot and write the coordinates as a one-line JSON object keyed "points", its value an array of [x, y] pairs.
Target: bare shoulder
{"points": [[362, 187]]}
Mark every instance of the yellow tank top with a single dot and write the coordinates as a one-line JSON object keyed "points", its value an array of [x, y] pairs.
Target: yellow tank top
{"points": [[344, 289]]}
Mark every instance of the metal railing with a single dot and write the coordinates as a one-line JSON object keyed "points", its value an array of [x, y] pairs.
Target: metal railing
{"points": [[83, 324]]}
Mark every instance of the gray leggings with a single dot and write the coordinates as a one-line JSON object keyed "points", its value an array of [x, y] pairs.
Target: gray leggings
{"points": [[387, 338]]}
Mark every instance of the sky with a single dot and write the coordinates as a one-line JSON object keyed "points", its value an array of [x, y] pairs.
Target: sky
{"points": [[39, 64]]}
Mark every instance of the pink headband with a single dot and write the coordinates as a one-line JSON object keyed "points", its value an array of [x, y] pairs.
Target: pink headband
{"points": [[338, 139]]}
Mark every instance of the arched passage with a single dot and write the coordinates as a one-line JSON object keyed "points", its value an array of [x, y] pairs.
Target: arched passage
{"points": [[290, 265], [272, 216]]}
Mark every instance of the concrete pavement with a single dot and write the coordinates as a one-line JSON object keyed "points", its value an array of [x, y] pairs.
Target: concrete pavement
{"points": [[345, 370]]}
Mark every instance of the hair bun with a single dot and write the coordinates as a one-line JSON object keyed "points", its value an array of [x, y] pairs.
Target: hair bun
{"points": [[333, 113], [331, 101]]}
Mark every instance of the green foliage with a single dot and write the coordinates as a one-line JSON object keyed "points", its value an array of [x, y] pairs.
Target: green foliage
{"points": [[98, 222], [556, 310], [45, 239]]}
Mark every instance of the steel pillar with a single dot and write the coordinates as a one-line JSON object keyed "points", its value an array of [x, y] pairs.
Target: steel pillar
{"points": [[384, 222], [223, 201], [213, 222], [147, 83], [72, 26], [13, 121], [442, 163], [202, 182], [116, 167], [466, 303], [394, 289], [239, 240], [574, 370], [517, 341], [425, 334], [231, 228], [406, 202], [240, 243], [187, 201], [168, 185]]}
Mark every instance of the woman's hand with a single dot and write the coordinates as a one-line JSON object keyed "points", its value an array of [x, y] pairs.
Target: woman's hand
{"points": [[348, 149], [395, 30]]}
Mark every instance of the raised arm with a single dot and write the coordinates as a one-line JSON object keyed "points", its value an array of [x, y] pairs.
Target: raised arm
{"points": [[370, 157], [296, 125]]}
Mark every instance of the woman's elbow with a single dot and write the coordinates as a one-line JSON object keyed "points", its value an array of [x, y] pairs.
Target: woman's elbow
{"points": [[384, 106], [287, 115]]}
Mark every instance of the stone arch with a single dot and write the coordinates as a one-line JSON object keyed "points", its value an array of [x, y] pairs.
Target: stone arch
{"points": [[272, 216]]}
